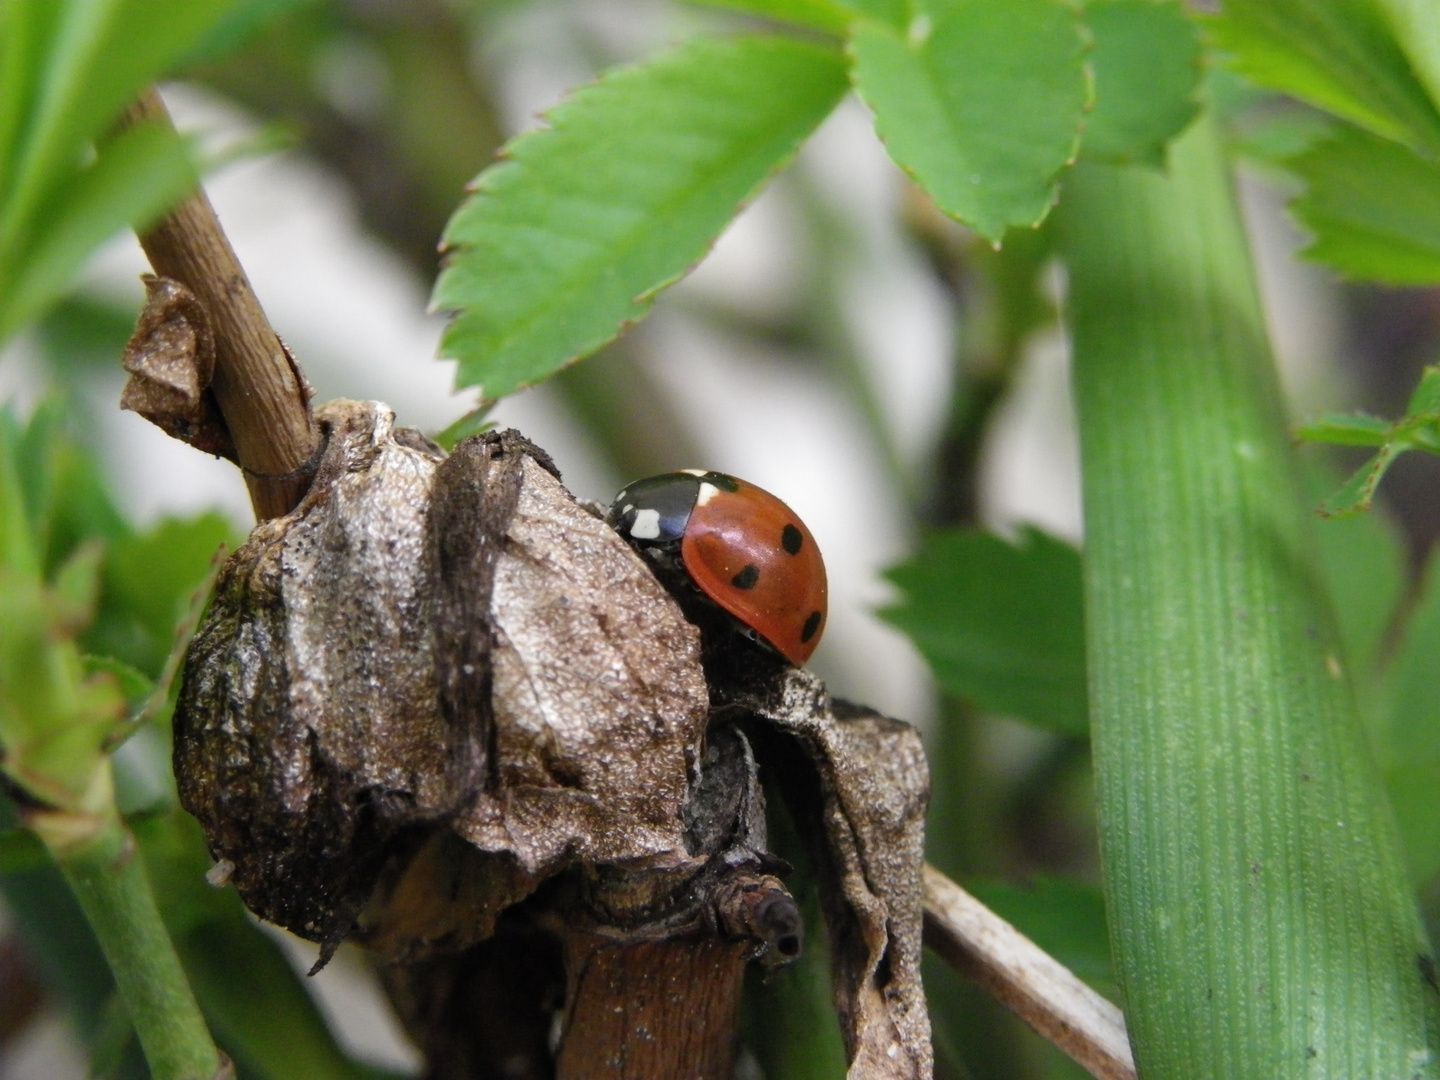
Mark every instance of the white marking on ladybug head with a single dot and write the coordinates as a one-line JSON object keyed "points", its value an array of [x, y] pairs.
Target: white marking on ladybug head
{"points": [[646, 525], [627, 508], [695, 472], [707, 492]]}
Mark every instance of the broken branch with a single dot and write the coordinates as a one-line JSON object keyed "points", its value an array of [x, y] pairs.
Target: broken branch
{"points": [[261, 394], [1015, 971]]}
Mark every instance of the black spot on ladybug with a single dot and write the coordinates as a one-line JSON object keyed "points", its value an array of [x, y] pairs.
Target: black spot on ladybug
{"points": [[812, 624], [791, 540], [746, 578]]}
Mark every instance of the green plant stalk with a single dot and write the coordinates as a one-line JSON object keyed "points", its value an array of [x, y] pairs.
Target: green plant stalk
{"points": [[108, 877], [1262, 922]]}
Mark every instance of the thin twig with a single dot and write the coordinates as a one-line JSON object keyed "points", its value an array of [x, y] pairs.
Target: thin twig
{"points": [[1038, 988], [261, 393]]}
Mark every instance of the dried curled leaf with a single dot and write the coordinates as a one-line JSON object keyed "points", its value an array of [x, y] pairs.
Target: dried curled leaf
{"points": [[171, 359], [861, 784]]}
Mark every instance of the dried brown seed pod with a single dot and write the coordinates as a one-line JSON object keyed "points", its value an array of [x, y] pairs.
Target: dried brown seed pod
{"points": [[307, 732], [440, 681], [430, 641]]}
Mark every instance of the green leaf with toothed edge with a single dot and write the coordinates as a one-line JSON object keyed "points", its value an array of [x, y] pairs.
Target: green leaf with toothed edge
{"points": [[1345, 430], [571, 235], [1001, 624], [1147, 64], [1338, 55], [982, 103], [1358, 492], [1372, 206], [1418, 429]]}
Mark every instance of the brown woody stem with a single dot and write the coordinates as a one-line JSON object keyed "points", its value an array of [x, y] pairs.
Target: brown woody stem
{"points": [[261, 393], [650, 1009], [1018, 973]]}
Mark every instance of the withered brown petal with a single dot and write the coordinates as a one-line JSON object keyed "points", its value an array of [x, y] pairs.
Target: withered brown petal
{"points": [[171, 358], [600, 702], [307, 733]]}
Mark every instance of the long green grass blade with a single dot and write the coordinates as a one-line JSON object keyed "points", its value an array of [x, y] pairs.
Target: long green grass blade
{"points": [[103, 54], [1262, 920], [135, 178], [1407, 735], [25, 32]]}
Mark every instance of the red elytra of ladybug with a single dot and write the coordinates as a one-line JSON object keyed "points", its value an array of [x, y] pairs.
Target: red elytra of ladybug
{"points": [[741, 546]]}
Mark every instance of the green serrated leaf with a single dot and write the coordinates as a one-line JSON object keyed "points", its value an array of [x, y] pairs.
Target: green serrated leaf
{"points": [[1373, 207], [1001, 624], [1276, 134], [150, 581], [982, 103], [1424, 403], [572, 235], [1408, 736], [1338, 55], [1341, 429], [1357, 493], [1147, 67]]}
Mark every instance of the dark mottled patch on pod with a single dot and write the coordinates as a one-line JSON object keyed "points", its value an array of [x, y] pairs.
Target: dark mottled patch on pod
{"points": [[311, 732]]}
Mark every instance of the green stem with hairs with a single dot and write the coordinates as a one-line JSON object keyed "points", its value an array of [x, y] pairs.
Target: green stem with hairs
{"points": [[108, 877]]}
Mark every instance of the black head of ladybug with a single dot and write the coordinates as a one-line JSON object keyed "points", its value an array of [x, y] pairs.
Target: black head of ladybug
{"points": [[738, 545]]}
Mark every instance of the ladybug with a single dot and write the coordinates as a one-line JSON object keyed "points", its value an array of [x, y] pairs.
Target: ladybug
{"points": [[737, 544]]}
